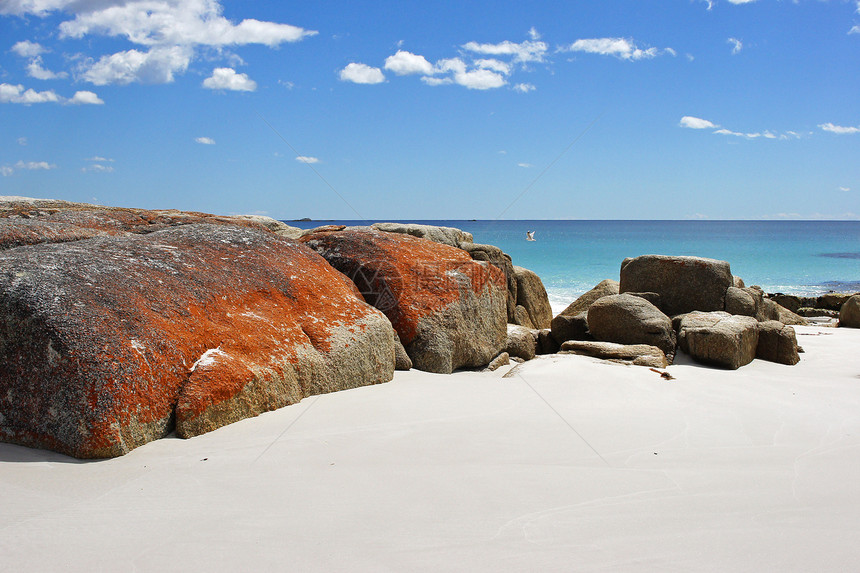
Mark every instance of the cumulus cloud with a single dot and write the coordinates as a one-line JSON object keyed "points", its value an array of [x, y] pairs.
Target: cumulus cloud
{"points": [[156, 66], [697, 123], [7, 170], [361, 74], [528, 51], [28, 49], [171, 31], [85, 97], [307, 159], [229, 79], [838, 129], [404, 63], [524, 88], [460, 74], [17, 94], [36, 70], [621, 48], [205, 140], [737, 45]]}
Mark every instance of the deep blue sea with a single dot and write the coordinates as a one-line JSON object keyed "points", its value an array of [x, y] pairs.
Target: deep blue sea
{"points": [[797, 257]]}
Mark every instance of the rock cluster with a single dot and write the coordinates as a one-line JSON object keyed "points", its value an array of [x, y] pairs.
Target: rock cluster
{"points": [[688, 303]]}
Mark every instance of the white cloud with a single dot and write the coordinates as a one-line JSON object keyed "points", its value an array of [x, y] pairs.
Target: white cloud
{"points": [[534, 34], [697, 123], [404, 63], [431, 81], [28, 49], [525, 165], [494, 65], [228, 79], [17, 94], [362, 74], [845, 189], [22, 141], [85, 97], [528, 51], [741, 1], [737, 45], [841, 130], [854, 30], [621, 48], [157, 66], [524, 88], [306, 159], [35, 70], [205, 140], [177, 22], [100, 159], [97, 168], [7, 170]]}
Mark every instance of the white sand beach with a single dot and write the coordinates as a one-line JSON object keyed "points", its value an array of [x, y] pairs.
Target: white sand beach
{"points": [[571, 464]]}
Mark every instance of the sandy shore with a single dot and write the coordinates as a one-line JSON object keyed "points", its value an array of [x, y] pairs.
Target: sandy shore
{"points": [[569, 465]]}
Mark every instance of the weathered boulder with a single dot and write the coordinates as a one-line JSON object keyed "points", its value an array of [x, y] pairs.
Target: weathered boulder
{"points": [[777, 342], [629, 319], [683, 283], [570, 327], [275, 226], [719, 338], [496, 257], [401, 357], [604, 288], [738, 282], [448, 310], [788, 301], [445, 235], [740, 302], [521, 317], [636, 354], [107, 343], [849, 314], [521, 342], [531, 295]]}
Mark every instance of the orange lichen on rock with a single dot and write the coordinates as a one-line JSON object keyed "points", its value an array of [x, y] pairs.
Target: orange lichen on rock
{"points": [[108, 343], [429, 291]]}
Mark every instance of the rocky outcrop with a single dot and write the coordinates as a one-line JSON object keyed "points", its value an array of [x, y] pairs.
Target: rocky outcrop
{"points": [[445, 235], [110, 342], [683, 283], [849, 314], [629, 319], [532, 296], [773, 311], [448, 310], [719, 338], [604, 288], [777, 342], [635, 354]]}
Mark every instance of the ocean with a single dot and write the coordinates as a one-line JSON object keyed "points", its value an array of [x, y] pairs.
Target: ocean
{"points": [[793, 257]]}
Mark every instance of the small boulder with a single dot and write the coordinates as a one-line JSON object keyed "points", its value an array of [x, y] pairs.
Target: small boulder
{"points": [[546, 344], [773, 311], [521, 317], [849, 314], [604, 288], [520, 342], [791, 302], [502, 359], [636, 354], [719, 338], [401, 358], [683, 283], [777, 342], [629, 319], [531, 295], [740, 302], [832, 300]]}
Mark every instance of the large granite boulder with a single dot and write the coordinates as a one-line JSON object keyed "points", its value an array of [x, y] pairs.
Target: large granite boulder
{"points": [[719, 338], [635, 354], [777, 342], [110, 342], [448, 309], [849, 314], [629, 319], [445, 235], [499, 259], [532, 296], [683, 283]]}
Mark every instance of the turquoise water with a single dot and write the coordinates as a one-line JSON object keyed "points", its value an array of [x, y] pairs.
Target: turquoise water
{"points": [[798, 257]]}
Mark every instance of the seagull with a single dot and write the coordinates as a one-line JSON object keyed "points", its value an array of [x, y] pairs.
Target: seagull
{"points": [[530, 235]]}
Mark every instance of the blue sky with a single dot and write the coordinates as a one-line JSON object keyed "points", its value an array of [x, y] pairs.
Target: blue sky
{"points": [[640, 109]]}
